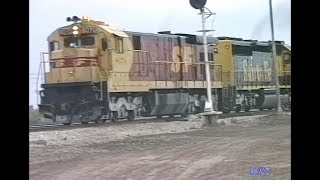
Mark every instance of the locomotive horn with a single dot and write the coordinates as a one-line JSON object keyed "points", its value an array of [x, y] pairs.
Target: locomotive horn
{"points": [[198, 4], [75, 18]]}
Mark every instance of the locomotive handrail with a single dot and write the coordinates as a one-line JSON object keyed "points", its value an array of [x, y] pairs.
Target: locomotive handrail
{"points": [[93, 60], [217, 73], [258, 70], [74, 65], [138, 51], [54, 60], [170, 62], [75, 58]]}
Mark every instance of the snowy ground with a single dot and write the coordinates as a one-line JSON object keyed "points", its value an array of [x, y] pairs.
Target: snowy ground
{"points": [[164, 150]]}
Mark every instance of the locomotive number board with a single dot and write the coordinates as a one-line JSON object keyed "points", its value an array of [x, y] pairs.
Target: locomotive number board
{"points": [[86, 30]]}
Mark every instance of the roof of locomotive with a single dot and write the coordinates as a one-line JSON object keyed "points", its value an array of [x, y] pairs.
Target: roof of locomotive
{"points": [[105, 27], [151, 34], [288, 47], [190, 38], [250, 42]]}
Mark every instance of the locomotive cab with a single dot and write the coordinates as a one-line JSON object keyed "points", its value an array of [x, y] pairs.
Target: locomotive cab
{"points": [[80, 58]]}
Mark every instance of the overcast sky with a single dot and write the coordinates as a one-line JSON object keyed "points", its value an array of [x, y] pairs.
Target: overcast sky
{"points": [[248, 19]]}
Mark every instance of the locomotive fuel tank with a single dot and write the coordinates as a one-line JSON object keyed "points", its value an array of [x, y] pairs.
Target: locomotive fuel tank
{"points": [[270, 100]]}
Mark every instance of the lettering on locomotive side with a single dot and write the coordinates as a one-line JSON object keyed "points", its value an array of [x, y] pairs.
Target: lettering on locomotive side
{"points": [[187, 58], [254, 68], [175, 66]]}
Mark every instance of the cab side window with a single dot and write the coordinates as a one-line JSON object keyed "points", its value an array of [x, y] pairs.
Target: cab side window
{"points": [[136, 42], [119, 45], [104, 44], [53, 46]]}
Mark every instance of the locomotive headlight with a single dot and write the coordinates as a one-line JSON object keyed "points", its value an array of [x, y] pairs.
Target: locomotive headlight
{"points": [[75, 28], [75, 32]]}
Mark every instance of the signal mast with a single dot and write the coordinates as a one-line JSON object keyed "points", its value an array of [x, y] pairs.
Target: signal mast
{"points": [[199, 4]]}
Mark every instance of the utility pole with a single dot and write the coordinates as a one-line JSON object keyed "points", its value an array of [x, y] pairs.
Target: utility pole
{"points": [[275, 63]]}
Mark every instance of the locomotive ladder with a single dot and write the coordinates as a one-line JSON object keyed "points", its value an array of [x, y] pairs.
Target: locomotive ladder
{"points": [[41, 75], [103, 77]]}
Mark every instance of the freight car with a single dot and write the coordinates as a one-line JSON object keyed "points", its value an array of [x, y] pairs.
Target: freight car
{"points": [[97, 72]]}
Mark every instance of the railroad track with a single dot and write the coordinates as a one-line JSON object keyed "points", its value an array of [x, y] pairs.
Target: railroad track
{"points": [[49, 127]]}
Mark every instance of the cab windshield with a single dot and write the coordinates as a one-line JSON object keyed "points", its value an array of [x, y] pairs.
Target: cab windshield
{"points": [[75, 42]]}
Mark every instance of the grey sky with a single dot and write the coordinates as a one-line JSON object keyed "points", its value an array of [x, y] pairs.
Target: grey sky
{"points": [[247, 19]]}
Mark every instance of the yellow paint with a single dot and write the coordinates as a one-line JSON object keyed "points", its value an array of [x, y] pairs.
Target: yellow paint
{"points": [[175, 67], [115, 66], [187, 57], [283, 68], [225, 58]]}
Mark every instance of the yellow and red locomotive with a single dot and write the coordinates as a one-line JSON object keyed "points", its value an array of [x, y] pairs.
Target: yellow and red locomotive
{"points": [[98, 72]]}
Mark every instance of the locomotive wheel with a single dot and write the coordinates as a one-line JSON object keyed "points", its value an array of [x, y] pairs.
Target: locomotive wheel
{"points": [[99, 120], [123, 112], [197, 110], [226, 110], [84, 118], [238, 109], [184, 115], [247, 108], [146, 111], [131, 115], [114, 116], [171, 115]]}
